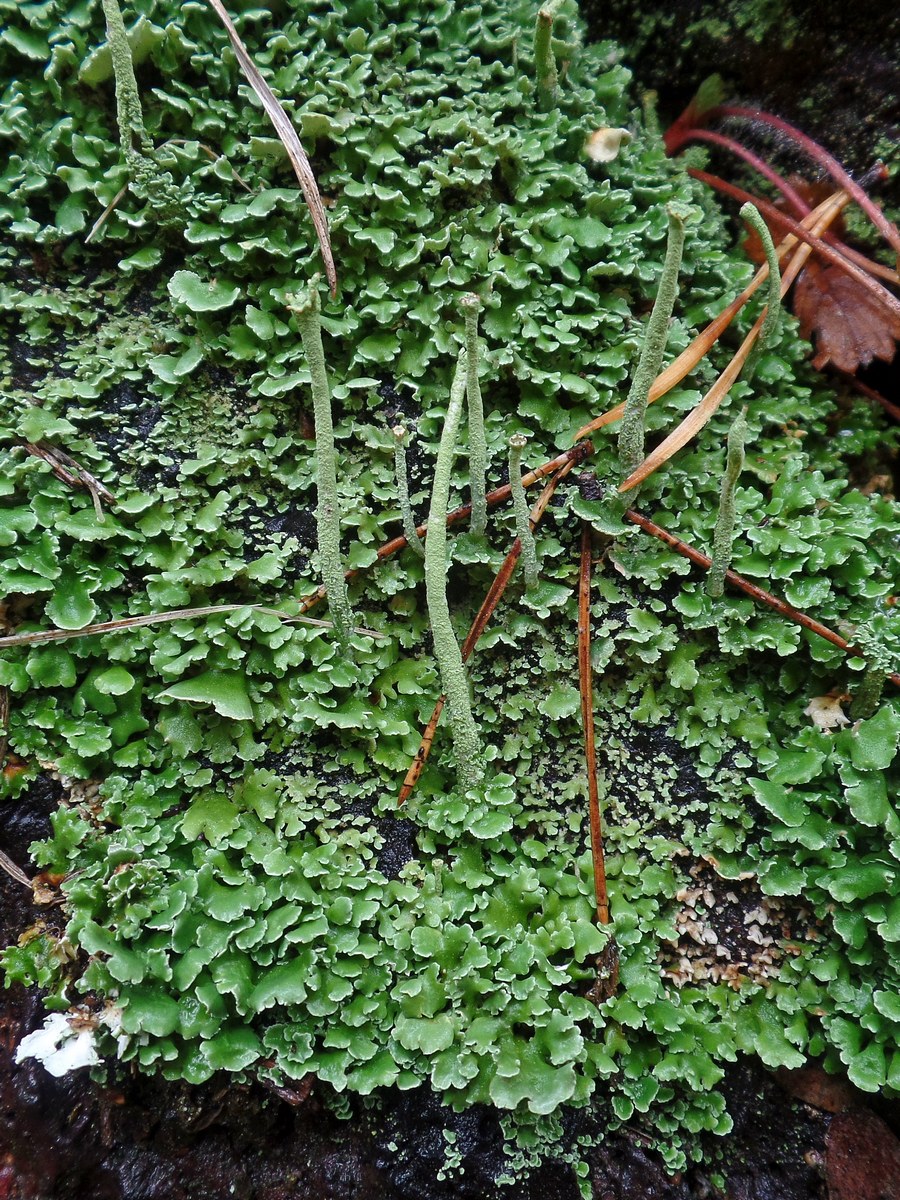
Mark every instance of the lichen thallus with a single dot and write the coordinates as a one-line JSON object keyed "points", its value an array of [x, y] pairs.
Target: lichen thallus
{"points": [[649, 384]]}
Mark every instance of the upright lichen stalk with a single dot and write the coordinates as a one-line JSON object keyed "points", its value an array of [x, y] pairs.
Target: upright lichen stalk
{"points": [[410, 532], [466, 740], [750, 214], [517, 444], [544, 58], [132, 135], [471, 306], [307, 309], [147, 178], [631, 435], [723, 537]]}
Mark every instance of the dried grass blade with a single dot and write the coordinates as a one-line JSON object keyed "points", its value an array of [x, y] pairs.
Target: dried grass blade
{"points": [[4, 724], [39, 636], [15, 871], [68, 470], [289, 139], [484, 614], [699, 416]]}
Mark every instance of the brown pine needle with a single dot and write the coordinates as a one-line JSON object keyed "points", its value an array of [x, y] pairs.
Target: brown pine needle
{"points": [[699, 559], [7, 864], [701, 414], [289, 139], [40, 636], [706, 339], [484, 614], [586, 681], [575, 455], [858, 265]]}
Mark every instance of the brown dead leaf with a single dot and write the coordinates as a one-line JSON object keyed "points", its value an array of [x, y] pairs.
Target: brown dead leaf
{"points": [[862, 1158], [850, 326]]}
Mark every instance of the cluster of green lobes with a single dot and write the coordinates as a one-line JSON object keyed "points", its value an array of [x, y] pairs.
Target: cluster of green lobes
{"points": [[241, 885]]}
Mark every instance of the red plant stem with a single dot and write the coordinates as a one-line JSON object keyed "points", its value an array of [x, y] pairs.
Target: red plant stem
{"points": [[484, 614], [819, 155], [776, 216], [722, 140], [864, 389], [699, 559], [586, 680], [576, 455]]}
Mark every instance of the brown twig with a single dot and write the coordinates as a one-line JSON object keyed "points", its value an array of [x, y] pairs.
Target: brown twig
{"points": [[289, 139], [702, 413], [699, 559], [707, 337], [484, 614], [576, 455], [586, 682], [839, 257], [820, 156], [65, 467]]}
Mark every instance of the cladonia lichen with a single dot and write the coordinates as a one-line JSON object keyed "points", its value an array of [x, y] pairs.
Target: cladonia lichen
{"points": [[236, 871], [466, 740]]}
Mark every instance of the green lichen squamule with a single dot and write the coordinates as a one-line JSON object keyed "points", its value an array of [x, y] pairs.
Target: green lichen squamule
{"points": [[631, 434], [471, 306], [455, 683], [517, 444], [307, 309], [750, 214], [409, 522], [723, 538]]}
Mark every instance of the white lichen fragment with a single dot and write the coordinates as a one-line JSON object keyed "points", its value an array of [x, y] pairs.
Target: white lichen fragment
{"points": [[68, 1041], [826, 712], [604, 144], [61, 1045]]}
